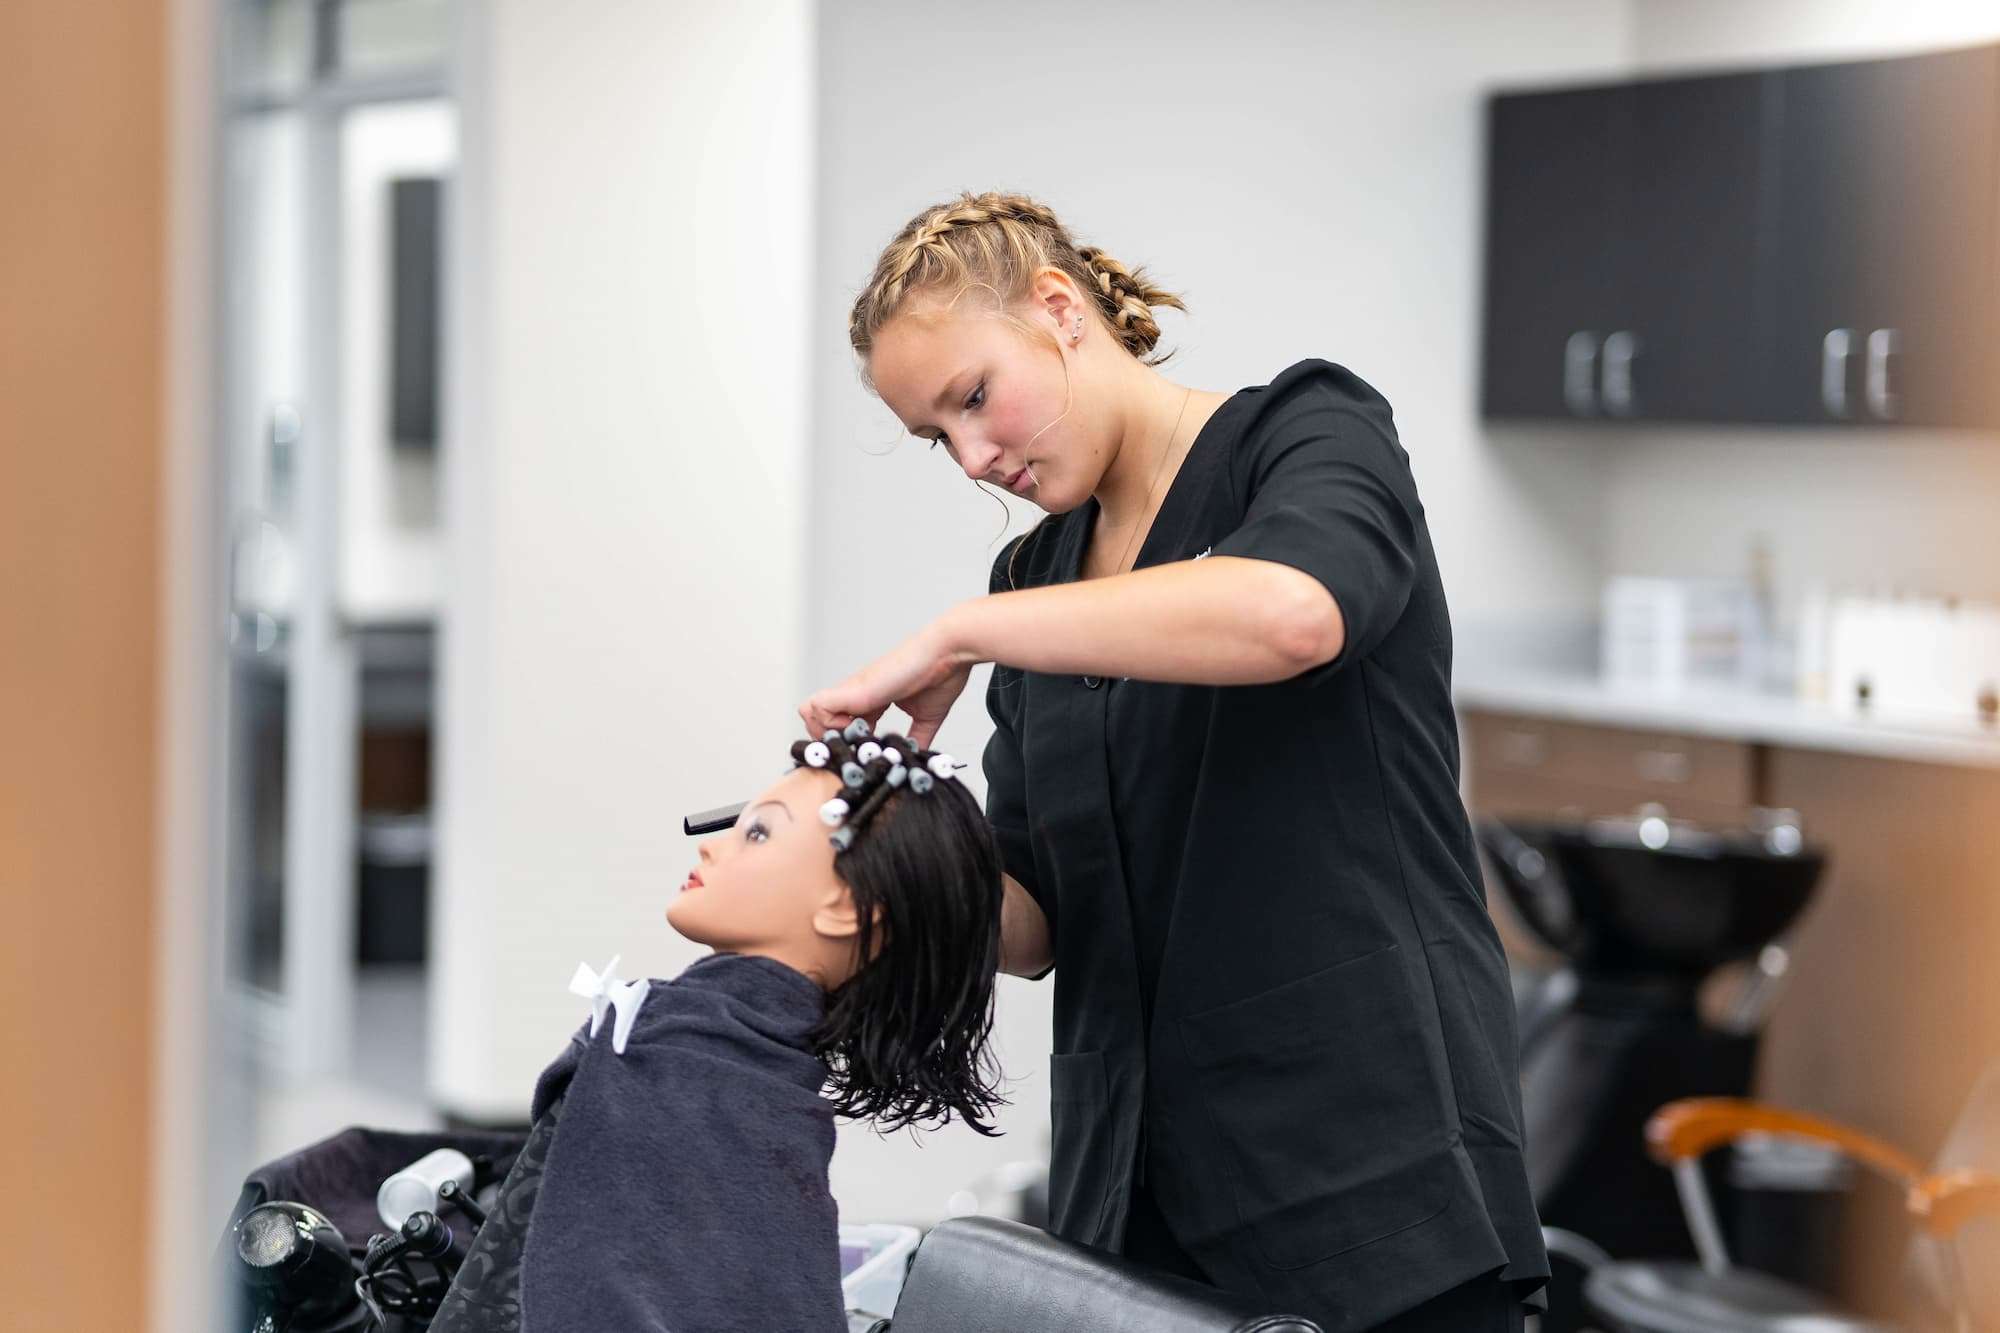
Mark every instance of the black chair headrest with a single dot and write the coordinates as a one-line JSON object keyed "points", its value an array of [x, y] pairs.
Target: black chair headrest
{"points": [[986, 1275]]}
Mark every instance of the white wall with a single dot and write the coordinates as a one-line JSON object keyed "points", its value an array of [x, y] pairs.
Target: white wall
{"points": [[624, 494], [1310, 176], [1670, 35], [1905, 508]]}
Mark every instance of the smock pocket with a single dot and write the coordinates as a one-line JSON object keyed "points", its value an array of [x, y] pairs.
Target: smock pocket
{"points": [[1080, 1148], [1332, 1131], [1481, 1042]]}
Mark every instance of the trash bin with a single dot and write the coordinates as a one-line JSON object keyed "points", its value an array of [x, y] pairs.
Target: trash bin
{"points": [[1790, 1198], [395, 869]]}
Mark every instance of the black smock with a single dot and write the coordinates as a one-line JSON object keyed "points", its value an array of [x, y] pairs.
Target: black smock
{"points": [[1281, 1007]]}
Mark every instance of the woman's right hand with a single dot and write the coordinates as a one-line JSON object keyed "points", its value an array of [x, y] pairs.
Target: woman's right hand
{"points": [[922, 675]]}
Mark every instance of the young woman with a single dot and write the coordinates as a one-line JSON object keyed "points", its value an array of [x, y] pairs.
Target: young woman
{"points": [[1224, 775], [676, 1173]]}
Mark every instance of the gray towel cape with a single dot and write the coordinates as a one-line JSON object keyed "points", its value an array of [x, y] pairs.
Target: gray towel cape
{"points": [[680, 1187]]}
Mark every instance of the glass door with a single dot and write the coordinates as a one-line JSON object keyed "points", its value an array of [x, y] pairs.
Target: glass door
{"points": [[313, 91]]}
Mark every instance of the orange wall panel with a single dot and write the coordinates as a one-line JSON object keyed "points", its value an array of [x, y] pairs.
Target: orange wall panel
{"points": [[82, 218]]}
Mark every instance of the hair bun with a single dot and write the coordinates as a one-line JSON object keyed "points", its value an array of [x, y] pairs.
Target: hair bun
{"points": [[1126, 298]]}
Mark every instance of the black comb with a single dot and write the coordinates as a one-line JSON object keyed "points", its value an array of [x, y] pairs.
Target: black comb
{"points": [[710, 821]]}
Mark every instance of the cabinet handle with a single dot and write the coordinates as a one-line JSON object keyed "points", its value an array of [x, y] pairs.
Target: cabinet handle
{"points": [[1663, 766], [1619, 349], [1834, 349], [1580, 374], [1883, 401]]}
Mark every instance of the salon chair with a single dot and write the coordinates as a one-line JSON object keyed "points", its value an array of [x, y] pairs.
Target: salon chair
{"points": [[1953, 1262], [989, 1275], [1643, 911]]}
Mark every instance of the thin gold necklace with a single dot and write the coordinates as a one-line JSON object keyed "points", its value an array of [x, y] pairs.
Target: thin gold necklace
{"points": [[1165, 454]]}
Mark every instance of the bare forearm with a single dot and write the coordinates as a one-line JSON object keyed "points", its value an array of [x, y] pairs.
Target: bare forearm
{"points": [[1024, 932], [1219, 621]]}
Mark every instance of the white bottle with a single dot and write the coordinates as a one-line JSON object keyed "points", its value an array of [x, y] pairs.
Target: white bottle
{"points": [[415, 1187], [1810, 652]]}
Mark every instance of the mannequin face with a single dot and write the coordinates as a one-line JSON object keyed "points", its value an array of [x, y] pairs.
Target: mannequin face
{"points": [[996, 400], [766, 886]]}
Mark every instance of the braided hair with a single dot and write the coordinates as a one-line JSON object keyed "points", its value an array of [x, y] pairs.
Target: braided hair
{"points": [[905, 1038], [998, 242]]}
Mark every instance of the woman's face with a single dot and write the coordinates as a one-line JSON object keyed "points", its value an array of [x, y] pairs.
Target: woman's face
{"points": [[1003, 407], [766, 885]]}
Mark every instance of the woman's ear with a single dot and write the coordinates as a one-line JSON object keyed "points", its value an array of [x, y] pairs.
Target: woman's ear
{"points": [[1055, 297]]}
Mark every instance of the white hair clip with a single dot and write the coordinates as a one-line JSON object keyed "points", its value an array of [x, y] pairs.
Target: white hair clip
{"points": [[605, 991]]}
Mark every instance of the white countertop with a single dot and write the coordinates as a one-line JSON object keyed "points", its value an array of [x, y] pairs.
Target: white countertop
{"points": [[1744, 715]]}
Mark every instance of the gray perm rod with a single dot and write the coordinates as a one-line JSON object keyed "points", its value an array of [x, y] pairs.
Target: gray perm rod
{"points": [[708, 821]]}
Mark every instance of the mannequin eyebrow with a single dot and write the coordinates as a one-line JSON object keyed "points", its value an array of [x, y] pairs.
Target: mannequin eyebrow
{"points": [[780, 804]]}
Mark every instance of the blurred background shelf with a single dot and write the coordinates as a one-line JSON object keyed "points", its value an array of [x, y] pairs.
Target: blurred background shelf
{"points": [[1745, 715]]}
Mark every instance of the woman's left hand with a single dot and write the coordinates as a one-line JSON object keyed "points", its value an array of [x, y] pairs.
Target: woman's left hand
{"points": [[922, 675]]}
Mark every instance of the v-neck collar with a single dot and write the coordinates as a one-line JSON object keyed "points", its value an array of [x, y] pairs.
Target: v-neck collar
{"points": [[1174, 512]]}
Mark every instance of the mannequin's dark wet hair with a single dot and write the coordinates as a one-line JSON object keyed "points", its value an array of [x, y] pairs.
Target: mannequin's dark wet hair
{"points": [[905, 1038]]}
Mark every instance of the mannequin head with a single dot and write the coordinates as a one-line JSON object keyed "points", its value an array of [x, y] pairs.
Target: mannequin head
{"points": [[990, 333], [767, 885], [902, 930]]}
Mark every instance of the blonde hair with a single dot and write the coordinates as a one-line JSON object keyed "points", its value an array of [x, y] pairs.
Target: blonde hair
{"points": [[998, 242]]}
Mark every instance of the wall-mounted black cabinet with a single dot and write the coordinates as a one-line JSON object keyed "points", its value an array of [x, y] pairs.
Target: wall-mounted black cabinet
{"points": [[1888, 201], [1551, 272], [1602, 200], [1802, 245]]}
